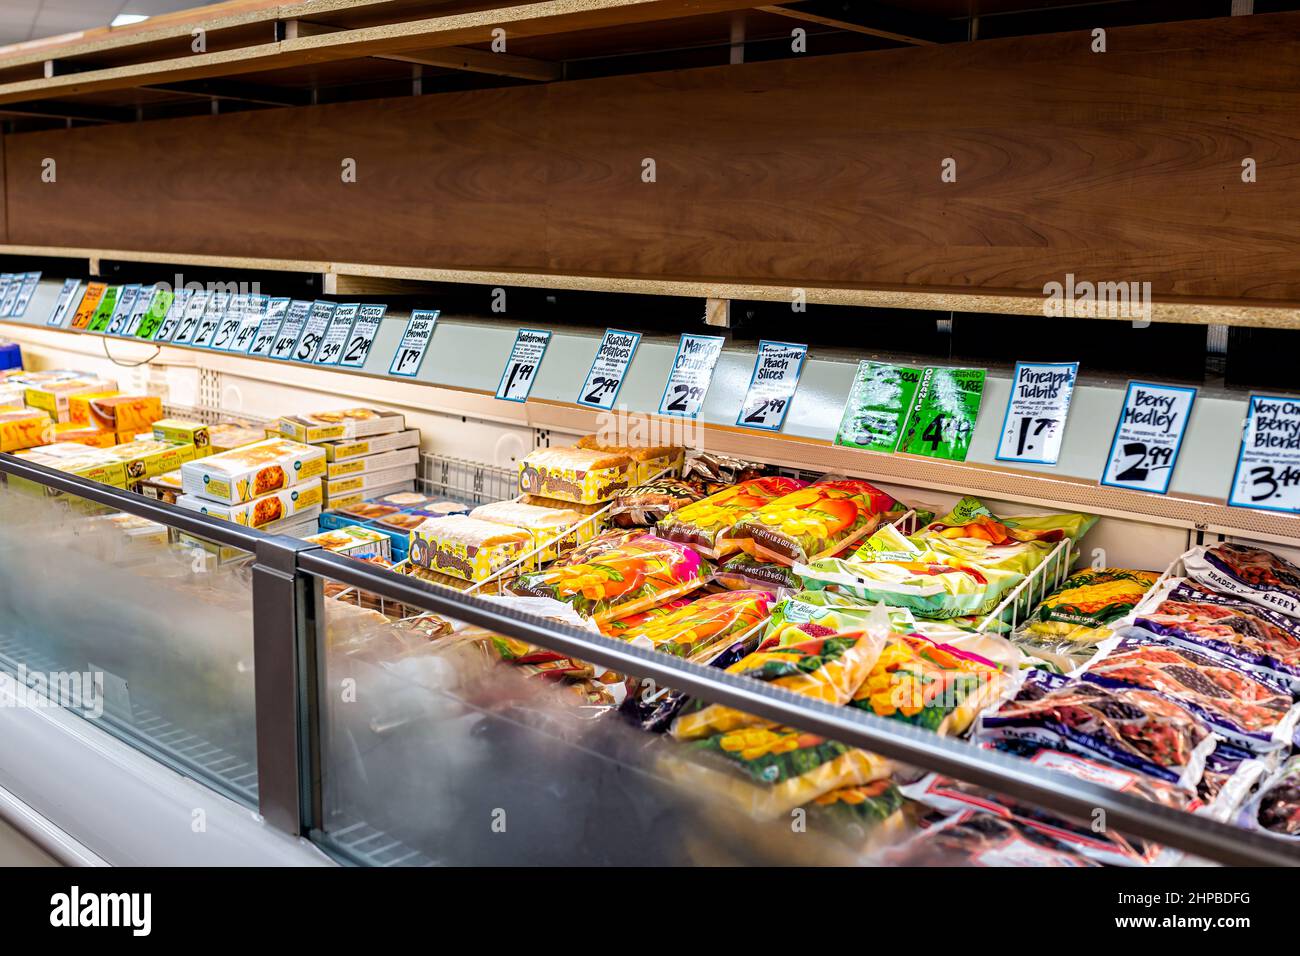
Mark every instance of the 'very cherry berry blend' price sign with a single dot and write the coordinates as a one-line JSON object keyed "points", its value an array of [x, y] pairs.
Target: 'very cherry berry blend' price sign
{"points": [[1268, 468]]}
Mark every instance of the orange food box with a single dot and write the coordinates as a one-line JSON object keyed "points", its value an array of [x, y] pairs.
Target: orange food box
{"points": [[24, 429], [125, 414]]}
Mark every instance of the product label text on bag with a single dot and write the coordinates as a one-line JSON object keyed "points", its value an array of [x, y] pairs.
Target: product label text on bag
{"points": [[609, 368], [772, 385], [692, 371], [1268, 467], [1148, 436], [521, 367], [1034, 425]]}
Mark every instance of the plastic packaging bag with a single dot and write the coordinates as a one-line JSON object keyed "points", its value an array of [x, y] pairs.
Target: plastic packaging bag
{"points": [[929, 587], [744, 571], [703, 623], [973, 838], [815, 521], [646, 505], [1071, 621], [1252, 574], [812, 614], [638, 574], [707, 525], [1276, 808]]}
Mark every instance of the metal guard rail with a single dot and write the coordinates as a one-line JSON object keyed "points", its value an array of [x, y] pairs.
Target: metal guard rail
{"points": [[286, 609]]}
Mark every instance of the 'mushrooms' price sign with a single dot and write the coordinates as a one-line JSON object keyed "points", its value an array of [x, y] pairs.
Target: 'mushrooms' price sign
{"points": [[521, 368]]}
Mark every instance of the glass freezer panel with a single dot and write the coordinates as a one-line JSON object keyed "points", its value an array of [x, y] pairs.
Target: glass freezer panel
{"points": [[144, 631]]}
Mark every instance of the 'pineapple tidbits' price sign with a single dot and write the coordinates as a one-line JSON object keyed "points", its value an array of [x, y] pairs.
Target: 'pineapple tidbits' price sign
{"points": [[1148, 437], [609, 369], [1268, 466], [944, 411], [772, 385], [688, 382], [1034, 425], [877, 406], [415, 342], [369, 317], [521, 368]]}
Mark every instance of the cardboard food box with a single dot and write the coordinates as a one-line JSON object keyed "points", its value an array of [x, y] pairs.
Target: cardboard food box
{"points": [[52, 397], [147, 457], [252, 471], [368, 464], [126, 414], [343, 450], [552, 530], [368, 481], [182, 430], [82, 434], [467, 548], [24, 429], [93, 464], [228, 436], [581, 475], [165, 487], [301, 501], [350, 423], [353, 539], [222, 554], [79, 407], [334, 502], [651, 460]]}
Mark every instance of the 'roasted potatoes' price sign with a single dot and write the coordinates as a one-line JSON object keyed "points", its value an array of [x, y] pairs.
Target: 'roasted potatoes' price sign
{"points": [[362, 337], [609, 369], [692, 372], [415, 342], [336, 335], [1034, 424], [1267, 476], [942, 420], [521, 368], [772, 385], [294, 319], [877, 406], [63, 304], [1148, 437], [268, 330]]}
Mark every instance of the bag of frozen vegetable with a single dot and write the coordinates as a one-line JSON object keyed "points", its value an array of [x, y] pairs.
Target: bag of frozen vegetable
{"points": [[765, 772], [653, 708], [703, 623], [974, 535], [828, 669], [1124, 725], [933, 586], [931, 685], [743, 571], [1275, 809], [1253, 574], [640, 573], [869, 814], [707, 525], [624, 625], [1255, 637], [813, 614], [1071, 621], [1251, 710], [973, 838], [814, 522]]}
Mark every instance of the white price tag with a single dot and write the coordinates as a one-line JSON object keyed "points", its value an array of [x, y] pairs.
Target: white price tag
{"points": [[362, 337], [336, 336], [522, 365], [172, 320], [1148, 437], [228, 326], [63, 305], [287, 338], [609, 369], [10, 285], [25, 292], [142, 302], [212, 318], [415, 341], [122, 311], [313, 331], [1268, 467], [251, 310], [268, 330], [688, 382], [189, 324], [772, 385], [1034, 424]]}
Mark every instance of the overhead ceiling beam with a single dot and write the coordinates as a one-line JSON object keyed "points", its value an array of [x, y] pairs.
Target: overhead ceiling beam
{"points": [[873, 19], [52, 109], [450, 58], [239, 92]]}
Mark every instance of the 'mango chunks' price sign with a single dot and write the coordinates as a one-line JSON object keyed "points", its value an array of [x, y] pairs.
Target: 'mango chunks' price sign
{"points": [[1148, 436], [772, 385], [609, 369], [1268, 467], [942, 419], [692, 372]]}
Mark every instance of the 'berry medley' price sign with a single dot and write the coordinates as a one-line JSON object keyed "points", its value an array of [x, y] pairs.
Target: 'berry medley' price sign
{"points": [[362, 336], [1034, 425], [1268, 467], [336, 336], [1148, 437], [877, 406], [294, 319], [63, 305], [415, 342], [521, 368], [944, 411], [688, 382], [268, 330], [609, 369], [772, 385]]}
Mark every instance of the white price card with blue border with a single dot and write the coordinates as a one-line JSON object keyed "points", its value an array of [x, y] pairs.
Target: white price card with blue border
{"points": [[172, 320], [25, 293], [189, 323], [63, 304], [251, 314], [138, 309], [1148, 437], [268, 330], [415, 342], [525, 359], [1033, 426], [313, 331], [231, 319], [362, 337], [1267, 476], [609, 368], [218, 302], [122, 310], [336, 335], [772, 385], [692, 372], [10, 285], [287, 338]]}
